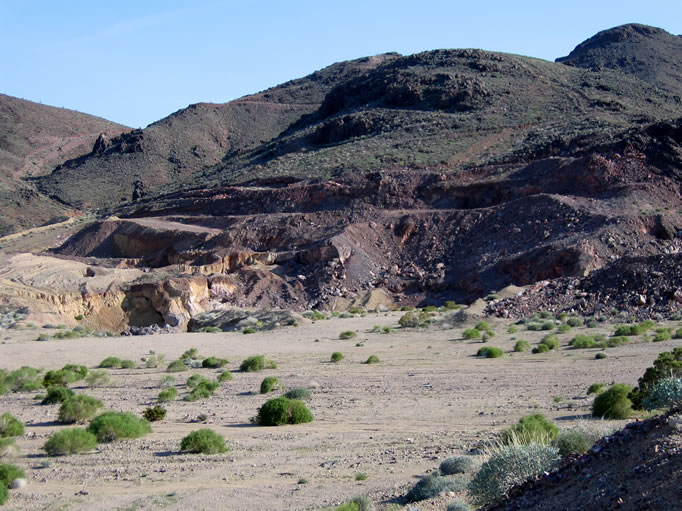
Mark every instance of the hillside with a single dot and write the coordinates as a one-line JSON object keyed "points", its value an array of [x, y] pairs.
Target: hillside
{"points": [[172, 150], [34, 138], [651, 54]]}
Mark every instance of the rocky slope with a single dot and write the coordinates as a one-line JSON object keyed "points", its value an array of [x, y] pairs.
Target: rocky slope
{"points": [[34, 138]]}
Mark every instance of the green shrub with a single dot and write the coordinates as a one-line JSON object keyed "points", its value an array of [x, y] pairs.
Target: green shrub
{"points": [[97, 378], [347, 334], [360, 476], [225, 376], [667, 364], [678, 334], [269, 384], [337, 356], [154, 413], [249, 330], [57, 395], [582, 341], [551, 340], [194, 380], [70, 441], [601, 355], [167, 395], [508, 466], [482, 326], [547, 325], [591, 323], [450, 305], [176, 366], [614, 403], [203, 390], [256, 363], [282, 410], [372, 359], [154, 360], [572, 442], [111, 426], [166, 381], [431, 486], [457, 465], [637, 329], [60, 377], [541, 348], [535, 428], [191, 353], [78, 408], [665, 393], [25, 379], [564, 328], [8, 447], [9, 473], [512, 329], [10, 426], [110, 362], [214, 362], [203, 441], [347, 506], [662, 336], [67, 334], [4, 494], [409, 320], [127, 364], [595, 388], [617, 341], [471, 333], [80, 370], [299, 393], [490, 352], [521, 346], [574, 322]]}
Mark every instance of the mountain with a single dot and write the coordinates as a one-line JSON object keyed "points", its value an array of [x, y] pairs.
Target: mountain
{"points": [[171, 150], [34, 138], [651, 54]]}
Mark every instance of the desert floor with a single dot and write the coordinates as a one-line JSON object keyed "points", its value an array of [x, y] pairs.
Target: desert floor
{"points": [[430, 397]]}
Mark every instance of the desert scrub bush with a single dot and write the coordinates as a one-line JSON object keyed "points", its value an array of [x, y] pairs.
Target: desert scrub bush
{"points": [[413, 319], [78, 408], [678, 334], [225, 376], [512, 329], [662, 336], [508, 466], [471, 333], [573, 322], [194, 380], [541, 348], [490, 352], [600, 356], [613, 403], [358, 503], [59, 378], [67, 334], [564, 328], [572, 442], [337, 356], [70, 441], [111, 426], [458, 505], [347, 334], [282, 410], [57, 395], [664, 394], [98, 378], [360, 476], [25, 379], [581, 341], [110, 363], [167, 395], [203, 390], [299, 393], [596, 388], [8, 447], [521, 346], [256, 363], [551, 341], [372, 359], [154, 360], [128, 364], [154, 413], [482, 326], [535, 428], [431, 486], [10, 426], [166, 381], [214, 362], [457, 465], [249, 330], [176, 366], [4, 494], [191, 353], [617, 341], [9, 473], [269, 384], [668, 364], [203, 441]]}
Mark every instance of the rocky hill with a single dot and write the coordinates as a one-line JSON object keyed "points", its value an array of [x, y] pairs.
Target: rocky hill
{"points": [[35, 138], [445, 175]]}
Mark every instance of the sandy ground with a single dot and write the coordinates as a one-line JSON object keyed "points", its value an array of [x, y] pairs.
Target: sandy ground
{"points": [[428, 399]]}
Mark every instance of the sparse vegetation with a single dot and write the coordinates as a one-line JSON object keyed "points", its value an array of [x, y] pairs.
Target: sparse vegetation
{"points": [[347, 334], [372, 359], [299, 393], [70, 441], [431, 486], [664, 394], [572, 442], [667, 365], [111, 426], [78, 408], [521, 346], [256, 363], [282, 410], [535, 428], [97, 378], [176, 366], [203, 441], [457, 465], [10, 426], [9, 473], [166, 395], [225, 376], [214, 362], [613, 403], [596, 388], [337, 356]]}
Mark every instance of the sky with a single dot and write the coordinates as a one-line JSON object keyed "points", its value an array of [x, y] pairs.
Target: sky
{"points": [[139, 61]]}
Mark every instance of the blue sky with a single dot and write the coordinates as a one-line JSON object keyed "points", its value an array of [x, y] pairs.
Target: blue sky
{"points": [[136, 62]]}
